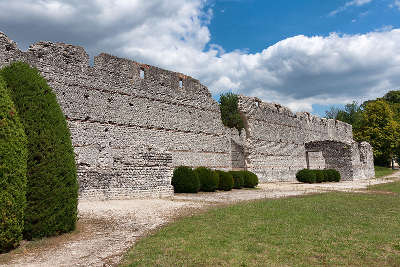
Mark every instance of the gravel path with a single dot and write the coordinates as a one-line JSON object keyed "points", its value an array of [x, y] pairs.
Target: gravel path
{"points": [[107, 229]]}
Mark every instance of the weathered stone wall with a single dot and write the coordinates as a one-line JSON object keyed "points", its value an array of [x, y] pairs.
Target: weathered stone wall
{"points": [[279, 143], [118, 103], [367, 159], [110, 107], [127, 172]]}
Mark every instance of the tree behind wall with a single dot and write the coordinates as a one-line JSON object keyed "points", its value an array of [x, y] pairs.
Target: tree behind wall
{"points": [[52, 188], [13, 154], [228, 104], [379, 128]]}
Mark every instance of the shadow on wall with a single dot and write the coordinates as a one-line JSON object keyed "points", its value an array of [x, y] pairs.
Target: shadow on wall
{"points": [[351, 160]]}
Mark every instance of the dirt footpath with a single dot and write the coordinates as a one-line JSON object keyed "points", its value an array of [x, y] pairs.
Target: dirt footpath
{"points": [[107, 229]]}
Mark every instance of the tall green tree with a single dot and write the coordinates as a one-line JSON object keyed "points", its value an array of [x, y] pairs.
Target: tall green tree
{"points": [[13, 155], [393, 98], [228, 104], [379, 128], [52, 187]]}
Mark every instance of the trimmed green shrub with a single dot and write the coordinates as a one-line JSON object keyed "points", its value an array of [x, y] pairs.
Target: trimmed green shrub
{"points": [[250, 180], [225, 180], [208, 179], [238, 180], [332, 175], [52, 187], [319, 176], [185, 180], [13, 155], [306, 176]]}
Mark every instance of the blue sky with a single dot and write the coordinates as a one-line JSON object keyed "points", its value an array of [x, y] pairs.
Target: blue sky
{"points": [[256, 24], [307, 55], [252, 25]]}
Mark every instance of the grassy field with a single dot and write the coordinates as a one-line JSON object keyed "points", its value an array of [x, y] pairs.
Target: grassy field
{"points": [[390, 187], [383, 171], [327, 229]]}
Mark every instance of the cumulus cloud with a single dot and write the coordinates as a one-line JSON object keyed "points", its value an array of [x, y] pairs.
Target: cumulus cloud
{"points": [[299, 71], [395, 4], [349, 4]]}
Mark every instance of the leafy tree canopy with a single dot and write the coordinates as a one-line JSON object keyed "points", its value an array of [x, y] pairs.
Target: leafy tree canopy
{"points": [[375, 121], [379, 128], [228, 104]]}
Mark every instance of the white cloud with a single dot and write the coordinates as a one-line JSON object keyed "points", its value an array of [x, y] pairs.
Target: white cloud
{"points": [[349, 4], [396, 3], [298, 71]]}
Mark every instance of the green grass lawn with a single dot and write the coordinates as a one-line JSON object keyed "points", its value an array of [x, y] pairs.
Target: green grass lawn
{"points": [[327, 229], [390, 187], [383, 171]]}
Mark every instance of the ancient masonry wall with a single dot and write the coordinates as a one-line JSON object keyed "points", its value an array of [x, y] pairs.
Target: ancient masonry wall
{"points": [[110, 107], [278, 143], [132, 123]]}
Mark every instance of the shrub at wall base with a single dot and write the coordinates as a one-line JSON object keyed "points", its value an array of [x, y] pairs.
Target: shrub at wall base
{"points": [[250, 180], [317, 176], [52, 188], [238, 180], [225, 181], [13, 154], [185, 180], [208, 179]]}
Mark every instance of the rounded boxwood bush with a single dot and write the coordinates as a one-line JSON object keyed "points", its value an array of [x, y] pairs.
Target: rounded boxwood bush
{"points": [[52, 186], [332, 175], [208, 179], [225, 181], [250, 180], [238, 180], [185, 180], [306, 176], [319, 176], [13, 155]]}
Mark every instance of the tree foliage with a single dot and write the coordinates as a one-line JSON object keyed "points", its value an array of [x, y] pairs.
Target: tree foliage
{"points": [[228, 104], [351, 114], [379, 128], [13, 155], [375, 121], [52, 187]]}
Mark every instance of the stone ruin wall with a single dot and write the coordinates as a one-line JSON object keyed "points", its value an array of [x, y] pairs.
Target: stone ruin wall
{"points": [[278, 143], [129, 131], [110, 108]]}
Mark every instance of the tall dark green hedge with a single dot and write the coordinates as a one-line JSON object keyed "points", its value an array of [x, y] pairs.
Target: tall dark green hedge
{"points": [[52, 187], [13, 154]]}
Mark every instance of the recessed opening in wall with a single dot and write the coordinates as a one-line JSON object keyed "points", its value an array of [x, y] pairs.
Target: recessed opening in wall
{"points": [[180, 83], [141, 73]]}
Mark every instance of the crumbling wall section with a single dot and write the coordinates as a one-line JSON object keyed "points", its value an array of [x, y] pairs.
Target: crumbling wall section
{"points": [[238, 157], [121, 103], [367, 159], [279, 143], [118, 103]]}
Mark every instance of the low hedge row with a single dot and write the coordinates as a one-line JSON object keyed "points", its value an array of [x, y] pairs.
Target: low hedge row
{"points": [[317, 176], [186, 180]]}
